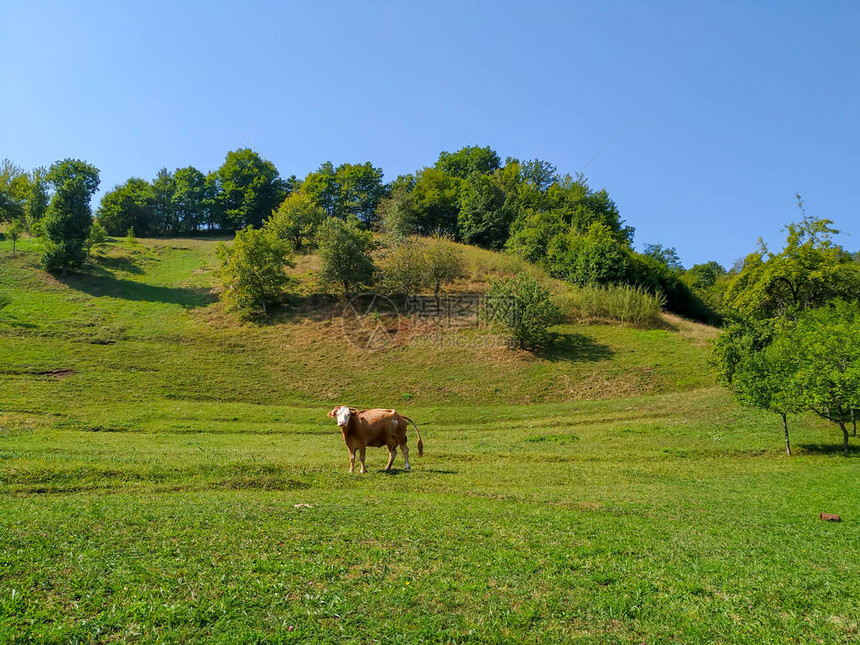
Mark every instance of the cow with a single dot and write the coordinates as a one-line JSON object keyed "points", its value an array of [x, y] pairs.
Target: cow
{"points": [[375, 428]]}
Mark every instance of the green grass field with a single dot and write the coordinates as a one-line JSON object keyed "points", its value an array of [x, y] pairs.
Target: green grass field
{"points": [[168, 474]]}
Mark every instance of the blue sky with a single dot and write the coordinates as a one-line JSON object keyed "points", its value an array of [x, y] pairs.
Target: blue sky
{"points": [[727, 109]]}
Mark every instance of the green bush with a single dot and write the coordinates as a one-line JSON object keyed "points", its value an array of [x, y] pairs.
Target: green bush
{"points": [[523, 309]]}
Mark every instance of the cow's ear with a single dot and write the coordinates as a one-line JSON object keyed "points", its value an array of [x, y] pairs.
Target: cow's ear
{"points": [[353, 411], [333, 413]]}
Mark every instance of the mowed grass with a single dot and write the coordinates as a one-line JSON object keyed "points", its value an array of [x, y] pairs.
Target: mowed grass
{"points": [[168, 475]]}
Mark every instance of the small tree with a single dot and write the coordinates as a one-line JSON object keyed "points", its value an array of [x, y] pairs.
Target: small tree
{"points": [[444, 262], [767, 379], [523, 309], [345, 251], [98, 235], [404, 268], [252, 270], [14, 232], [297, 220]]}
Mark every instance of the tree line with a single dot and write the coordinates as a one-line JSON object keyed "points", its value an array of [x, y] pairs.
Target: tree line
{"points": [[526, 207]]}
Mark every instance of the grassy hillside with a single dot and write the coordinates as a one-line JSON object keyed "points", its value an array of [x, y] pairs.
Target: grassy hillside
{"points": [[167, 473]]}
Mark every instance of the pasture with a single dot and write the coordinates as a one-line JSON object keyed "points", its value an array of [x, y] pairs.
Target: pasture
{"points": [[169, 474]]}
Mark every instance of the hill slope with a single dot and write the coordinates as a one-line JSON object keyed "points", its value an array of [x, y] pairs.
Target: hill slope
{"points": [[144, 325]]}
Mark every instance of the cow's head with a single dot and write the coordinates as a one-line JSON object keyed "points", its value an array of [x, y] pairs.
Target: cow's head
{"points": [[342, 413]]}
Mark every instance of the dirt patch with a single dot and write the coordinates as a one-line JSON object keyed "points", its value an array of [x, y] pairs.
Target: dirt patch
{"points": [[56, 373]]}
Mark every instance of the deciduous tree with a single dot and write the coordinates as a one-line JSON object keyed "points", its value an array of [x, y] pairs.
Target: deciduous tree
{"points": [[345, 251], [68, 219], [252, 270], [297, 220]]}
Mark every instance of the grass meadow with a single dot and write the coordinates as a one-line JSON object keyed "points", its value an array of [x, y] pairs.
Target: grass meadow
{"points": [[168, 474]]}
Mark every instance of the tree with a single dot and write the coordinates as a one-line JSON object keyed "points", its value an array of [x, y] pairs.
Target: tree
{"points": [[348, 190], [523, 309], [404, 268], [14, 232], [190, 201], [595, 258], [361, 189], [297, 220], [434, 201], [68, 219], [164, 217], [252, 270], [468, 160], [128, 206], [665, 255], [37, 195], [345, 252], [826, 343], [704, 276], [488, 205], [808, 272], [567, 207], [322, 187], [13, 191], [249, 189], [397, 214], [444, 262], [766, 378]]}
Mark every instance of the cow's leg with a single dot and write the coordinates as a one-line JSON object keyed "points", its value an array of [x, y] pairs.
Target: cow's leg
{"points": [[405, 450], [361, 452], [351, 460], [392, 453]]}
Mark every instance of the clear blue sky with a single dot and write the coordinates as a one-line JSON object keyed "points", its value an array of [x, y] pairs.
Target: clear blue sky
{"points": [[729, 108]]}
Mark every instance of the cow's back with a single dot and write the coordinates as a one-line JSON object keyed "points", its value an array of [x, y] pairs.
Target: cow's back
{"points": [[381, 427]]}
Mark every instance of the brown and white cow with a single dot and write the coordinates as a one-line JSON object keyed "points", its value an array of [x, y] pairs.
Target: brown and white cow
{"points": [[374, 428]]}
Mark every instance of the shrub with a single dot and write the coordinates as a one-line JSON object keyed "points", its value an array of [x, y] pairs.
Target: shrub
{"points": [[444, 262], [98, 235], [523, 309], [404, 268]]}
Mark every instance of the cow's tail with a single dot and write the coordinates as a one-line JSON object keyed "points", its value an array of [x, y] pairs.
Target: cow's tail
{"points": [[420, 443]]}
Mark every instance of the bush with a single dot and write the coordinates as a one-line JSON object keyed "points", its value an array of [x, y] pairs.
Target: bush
{"points": [[444, 262], [404, 268], [98, 235], [523, 309]]}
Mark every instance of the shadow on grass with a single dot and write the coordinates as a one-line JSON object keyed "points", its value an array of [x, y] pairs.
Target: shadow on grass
{"points": [[120, 263], [12, 321], [574, 348], [827, 449], [108, 285], [403, 471], [315, 307]]}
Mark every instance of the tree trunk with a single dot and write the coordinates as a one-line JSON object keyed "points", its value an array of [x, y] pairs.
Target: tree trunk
{"points": [[785, 427], [844, 437]]}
